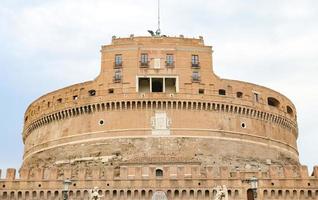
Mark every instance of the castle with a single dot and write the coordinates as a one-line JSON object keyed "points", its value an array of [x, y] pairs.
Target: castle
{"points": [[157, 119]]}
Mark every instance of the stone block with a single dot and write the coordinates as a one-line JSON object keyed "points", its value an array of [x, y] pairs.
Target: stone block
{"points": [[24, 173], [303, 171], [10, 174], [315, 172]]}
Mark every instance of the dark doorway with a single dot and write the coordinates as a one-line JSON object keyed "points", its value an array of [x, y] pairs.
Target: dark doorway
{"points": [[250, 195], [157, 85]]}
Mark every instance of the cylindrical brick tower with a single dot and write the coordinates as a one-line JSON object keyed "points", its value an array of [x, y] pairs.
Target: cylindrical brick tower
{"points": [[157, 101]]}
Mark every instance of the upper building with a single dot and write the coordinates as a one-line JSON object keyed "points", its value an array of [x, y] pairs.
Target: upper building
{"points": [[157, 118], [155, 99]]}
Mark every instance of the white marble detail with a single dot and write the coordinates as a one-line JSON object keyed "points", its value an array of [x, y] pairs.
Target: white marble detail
{"points": [[160, 124]]}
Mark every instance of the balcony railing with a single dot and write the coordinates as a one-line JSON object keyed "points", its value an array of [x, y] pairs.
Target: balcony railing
{"points": [[144, 64], [117, 79], [195, 65], [118, 65], [196, 79], [170, 64]]}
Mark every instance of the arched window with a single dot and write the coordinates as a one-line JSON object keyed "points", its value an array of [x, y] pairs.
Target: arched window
{"points": [[159, 173]]}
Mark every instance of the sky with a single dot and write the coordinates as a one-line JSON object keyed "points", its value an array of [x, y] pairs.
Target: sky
{"points": [[46, 45]]}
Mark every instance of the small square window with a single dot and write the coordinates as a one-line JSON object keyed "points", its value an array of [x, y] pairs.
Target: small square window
{"points": [[239, 94], [110, 91], [201, 91], [222, 92], [75, 97], [59, 100]]}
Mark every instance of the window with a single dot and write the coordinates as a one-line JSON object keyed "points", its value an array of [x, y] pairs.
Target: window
{"points": [[169, 60], [110, 91], [239, 94], [75, 97], [159, 173], [59, 100], [195, 61], [144, 60], [222, 92], [201, 91], [256, 97], [289, 110], [92, 92], [273, 102], [117, 77], [118, 60], [195, 76]]}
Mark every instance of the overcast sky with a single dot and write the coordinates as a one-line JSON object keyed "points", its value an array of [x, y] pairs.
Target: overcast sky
{"points": [[46, 45]]}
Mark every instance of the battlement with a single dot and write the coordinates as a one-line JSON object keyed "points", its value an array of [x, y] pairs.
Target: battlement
{"points": [[124, 172]]}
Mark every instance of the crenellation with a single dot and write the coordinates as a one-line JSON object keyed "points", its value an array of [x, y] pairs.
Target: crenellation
{"points": [[11, 174], [304, 171], [224, 172], [314, 173]]}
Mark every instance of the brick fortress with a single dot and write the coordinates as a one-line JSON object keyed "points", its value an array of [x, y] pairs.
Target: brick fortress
{"points": [[157, 118]]}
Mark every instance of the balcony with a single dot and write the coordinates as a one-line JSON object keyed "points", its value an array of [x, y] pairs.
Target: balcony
{"points": [[170, 64], [144, 64], [118, 65], [117, 79], [195, 65]]}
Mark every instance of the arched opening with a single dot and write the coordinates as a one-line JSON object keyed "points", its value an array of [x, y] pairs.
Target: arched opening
{"points": [[250, 194], [199, 194], [273, 102], [176, 193], [19, 195], [12, 195], [191, 193], [207, 193], [128, 193], [159, 173], [143, 193], [42, 194], [183, 194]]}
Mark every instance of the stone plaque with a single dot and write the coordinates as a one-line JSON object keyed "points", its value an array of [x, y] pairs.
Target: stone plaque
{"points": [[157, 63], [160, 124], [159, 195]]}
